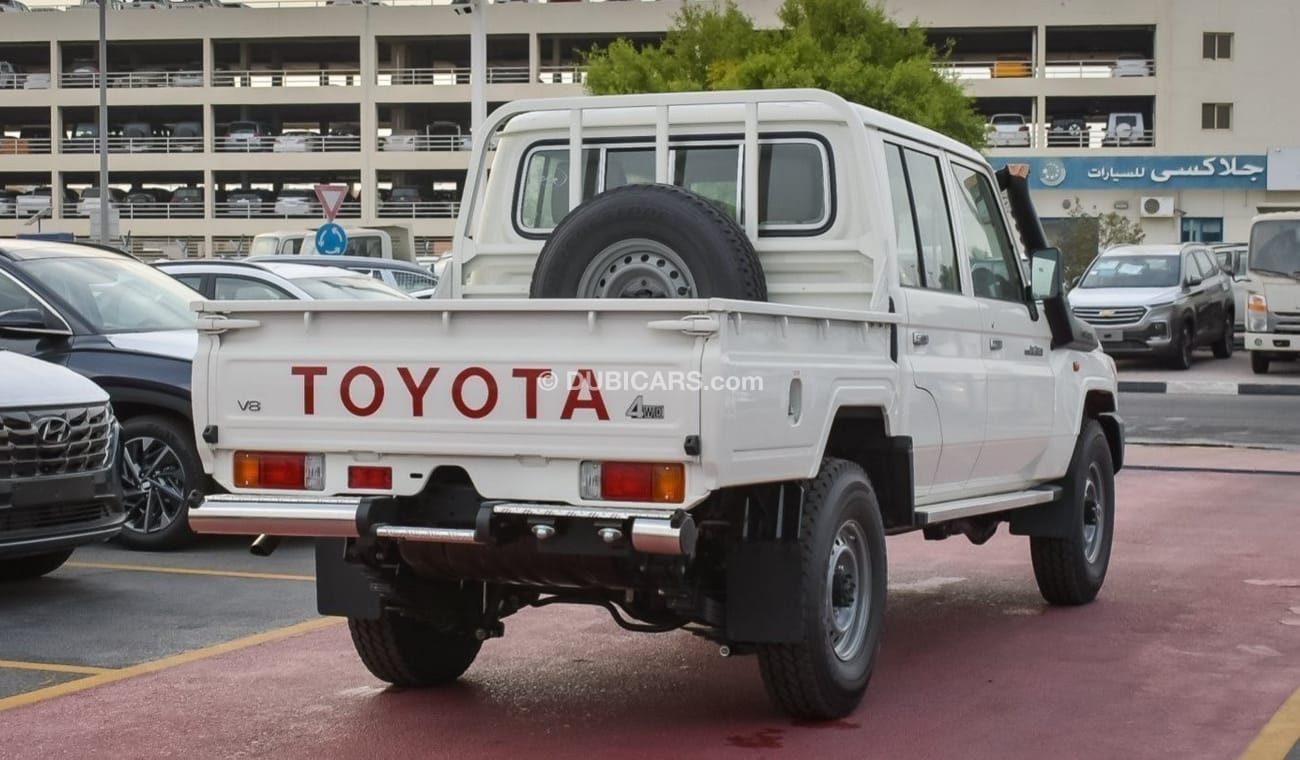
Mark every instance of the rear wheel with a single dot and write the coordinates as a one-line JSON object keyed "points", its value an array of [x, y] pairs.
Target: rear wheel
{"points": [[1071, 569], [1223, 346], [24, 568], [406, 651], [1258, 363], [842, 541]]}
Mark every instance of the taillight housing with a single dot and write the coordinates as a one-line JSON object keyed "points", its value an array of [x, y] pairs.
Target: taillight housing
{"points": [[654, 482], [279, 470], [370, 477]]}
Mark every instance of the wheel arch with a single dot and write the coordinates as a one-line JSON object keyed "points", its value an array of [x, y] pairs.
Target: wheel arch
{"points": [[1101, 405], [860, 434]]}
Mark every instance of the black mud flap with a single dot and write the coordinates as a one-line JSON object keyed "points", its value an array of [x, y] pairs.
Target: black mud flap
{"points": [[342, 588], [764, 595]]}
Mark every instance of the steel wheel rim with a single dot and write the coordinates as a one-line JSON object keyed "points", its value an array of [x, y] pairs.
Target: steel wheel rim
{"points": [[848, 591], [1094, 514], [153, 484], [637, 268]]}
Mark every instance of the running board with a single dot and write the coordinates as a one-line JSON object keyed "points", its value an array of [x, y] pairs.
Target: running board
{"points": [[983, 505]]}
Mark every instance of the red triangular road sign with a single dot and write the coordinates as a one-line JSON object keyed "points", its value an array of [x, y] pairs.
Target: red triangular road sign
{"points": [[331, 199]]}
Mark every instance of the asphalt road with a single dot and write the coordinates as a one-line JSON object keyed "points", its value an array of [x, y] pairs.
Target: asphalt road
{"points": [[1268, 421]]}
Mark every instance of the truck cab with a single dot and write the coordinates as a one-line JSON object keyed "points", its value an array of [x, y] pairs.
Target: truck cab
{"points": [[1272, 287]]}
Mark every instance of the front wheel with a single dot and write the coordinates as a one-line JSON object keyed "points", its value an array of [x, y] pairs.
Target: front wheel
{"points": [[160, 468], [842, 542], [1258, 363], [1184, 343], [1071, 569], [26, 568], [1223, 346]]}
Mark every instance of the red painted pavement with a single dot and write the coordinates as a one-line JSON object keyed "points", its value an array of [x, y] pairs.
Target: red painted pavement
{"points": [[1191, 647]]}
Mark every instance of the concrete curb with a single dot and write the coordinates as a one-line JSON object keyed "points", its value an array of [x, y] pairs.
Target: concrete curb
{"points": [[1208, 388]]}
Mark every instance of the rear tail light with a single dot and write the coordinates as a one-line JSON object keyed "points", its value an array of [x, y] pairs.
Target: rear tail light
{"points": [[279, 470], [368, 477], [656, 482]]}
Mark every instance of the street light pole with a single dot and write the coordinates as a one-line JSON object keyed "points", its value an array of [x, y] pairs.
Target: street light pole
{"points": [[477, 67], [103, 121]]}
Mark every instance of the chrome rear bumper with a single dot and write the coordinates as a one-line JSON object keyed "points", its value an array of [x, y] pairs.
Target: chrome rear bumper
{"points": [[651, 532]]}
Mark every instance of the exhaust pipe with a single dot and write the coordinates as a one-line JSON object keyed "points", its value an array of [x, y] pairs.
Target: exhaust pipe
{"points": [[655, 535]]}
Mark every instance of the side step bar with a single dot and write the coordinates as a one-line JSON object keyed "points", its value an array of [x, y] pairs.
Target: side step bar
{"points": [[931, 514]]}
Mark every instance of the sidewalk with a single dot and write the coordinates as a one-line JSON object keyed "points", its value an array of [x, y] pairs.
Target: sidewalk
{"points": [[1209, 376], [1216, 458]]}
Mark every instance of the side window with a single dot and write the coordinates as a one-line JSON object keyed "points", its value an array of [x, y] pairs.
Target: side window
{"points": [[909, 260], [711, 172], [994, 263], [192, 281], [933, 223], [628, 166], [1208, 269], [13, 296], [792, 184], [545, 197], [244, 289]]}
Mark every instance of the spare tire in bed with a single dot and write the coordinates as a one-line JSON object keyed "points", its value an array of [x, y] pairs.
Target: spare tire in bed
{"points": [[648, 241]]}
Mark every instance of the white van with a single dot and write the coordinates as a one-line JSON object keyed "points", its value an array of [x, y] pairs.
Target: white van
{"points": [[388, 242]]}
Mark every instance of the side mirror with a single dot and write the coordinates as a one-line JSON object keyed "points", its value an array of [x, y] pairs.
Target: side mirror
{"points": [[27, 322], [1192, 281], [1045, 274]]}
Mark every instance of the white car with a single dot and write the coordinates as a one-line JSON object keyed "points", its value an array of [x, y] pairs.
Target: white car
{"points": [[297, 203], [37, 80], [1008, 130], [664, 406], [276, 281], [296, 142], [402, 140], [1132, 65]]}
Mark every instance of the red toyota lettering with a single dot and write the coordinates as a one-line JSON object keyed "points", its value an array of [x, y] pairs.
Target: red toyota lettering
{"points": [[345, 391], [417, 391], [584, 378], [458, 386], [530, 377], [308, 375]]}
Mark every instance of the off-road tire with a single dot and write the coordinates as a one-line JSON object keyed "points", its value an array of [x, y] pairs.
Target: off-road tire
{"points": [[1065, 573], [1259, 363], [808, 679], [181, 440], [25, 568], [715, 250], [1184, 345], [407, 652], [1224, 345]]}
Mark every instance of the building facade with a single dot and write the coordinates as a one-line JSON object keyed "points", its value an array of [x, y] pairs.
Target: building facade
{"points": [[1172, 112]]}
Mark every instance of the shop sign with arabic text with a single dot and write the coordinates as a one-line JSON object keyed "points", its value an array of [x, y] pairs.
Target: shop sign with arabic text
{"points": [[1145, 172]]}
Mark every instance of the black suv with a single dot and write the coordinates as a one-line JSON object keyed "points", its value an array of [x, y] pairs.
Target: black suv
{"points": [[128, 327], [59, 485]]}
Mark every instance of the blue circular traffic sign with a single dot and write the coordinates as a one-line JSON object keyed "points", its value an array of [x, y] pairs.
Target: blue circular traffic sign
{"points": [[331, 240]]}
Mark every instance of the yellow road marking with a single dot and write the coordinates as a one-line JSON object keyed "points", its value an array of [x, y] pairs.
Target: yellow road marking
{"points": [[111, 676], [53, 667], [1280, 734], [189, 571]]}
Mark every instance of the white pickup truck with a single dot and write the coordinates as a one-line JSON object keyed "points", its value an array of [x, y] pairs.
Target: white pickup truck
{"points": [[696, 383]]}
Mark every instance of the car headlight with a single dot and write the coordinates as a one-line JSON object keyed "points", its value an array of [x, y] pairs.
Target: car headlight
{"points": [[1256, 313]]}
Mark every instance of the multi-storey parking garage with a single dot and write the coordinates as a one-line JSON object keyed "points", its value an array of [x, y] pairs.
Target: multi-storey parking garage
{"points": [[220, 118]]}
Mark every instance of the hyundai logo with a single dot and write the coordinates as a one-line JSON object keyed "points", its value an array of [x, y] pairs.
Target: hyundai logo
{"points": [[53, 431]]}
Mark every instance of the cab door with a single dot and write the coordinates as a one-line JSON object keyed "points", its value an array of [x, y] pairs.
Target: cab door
{"points": [[941, 340]]}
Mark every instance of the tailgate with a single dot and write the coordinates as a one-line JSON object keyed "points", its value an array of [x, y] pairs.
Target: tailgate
{"points": [[516, 393]]}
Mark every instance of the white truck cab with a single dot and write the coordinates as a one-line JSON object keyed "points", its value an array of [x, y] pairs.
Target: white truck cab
{"points": [[695, 355], [1272, 287]]}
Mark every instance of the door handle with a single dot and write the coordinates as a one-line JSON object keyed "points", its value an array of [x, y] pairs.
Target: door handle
{"points": [[995, 344], [920, 339]]}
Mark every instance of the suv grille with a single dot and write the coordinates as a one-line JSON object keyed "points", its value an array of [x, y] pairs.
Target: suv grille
{"points": [[55, 441], [1119, 315], [50, 516]]}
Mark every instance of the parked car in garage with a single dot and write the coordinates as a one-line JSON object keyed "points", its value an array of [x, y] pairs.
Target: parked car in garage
{"points": [[89, 203], [297, 202], [1008, 130], [247, 202], [8, 203], [247, 137], [401, 275], [39, 199], [1124, 129], [296, 141], [277, 281], [186, 137], [1157, 300], [60, 484], [1131, 65], [187, 201], [1067, 131], [130, 329]]}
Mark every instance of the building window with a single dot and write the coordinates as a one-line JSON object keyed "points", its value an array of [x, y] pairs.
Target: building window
{"points": [[1217, 46], [1202, 229], [1216, 116]]}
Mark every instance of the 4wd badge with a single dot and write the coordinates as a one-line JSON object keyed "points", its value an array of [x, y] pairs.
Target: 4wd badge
{"points": [[639, 410]]}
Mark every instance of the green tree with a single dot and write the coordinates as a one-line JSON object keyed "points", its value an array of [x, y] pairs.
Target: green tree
{"points": [[1082, 235], [848, 47]]}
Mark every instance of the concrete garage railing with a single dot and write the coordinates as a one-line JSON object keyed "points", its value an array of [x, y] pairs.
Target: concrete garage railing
{"points": [[398, 143], [290, 144], [141, 210], [133, 145], [21, 146], [419, 210], [271, 209], [1090, 68], [454, 75], [332, 77], [134, 79]]}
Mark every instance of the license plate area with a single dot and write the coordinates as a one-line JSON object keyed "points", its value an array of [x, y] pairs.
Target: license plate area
{"points": [[1112, 336], [54, 491]]}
